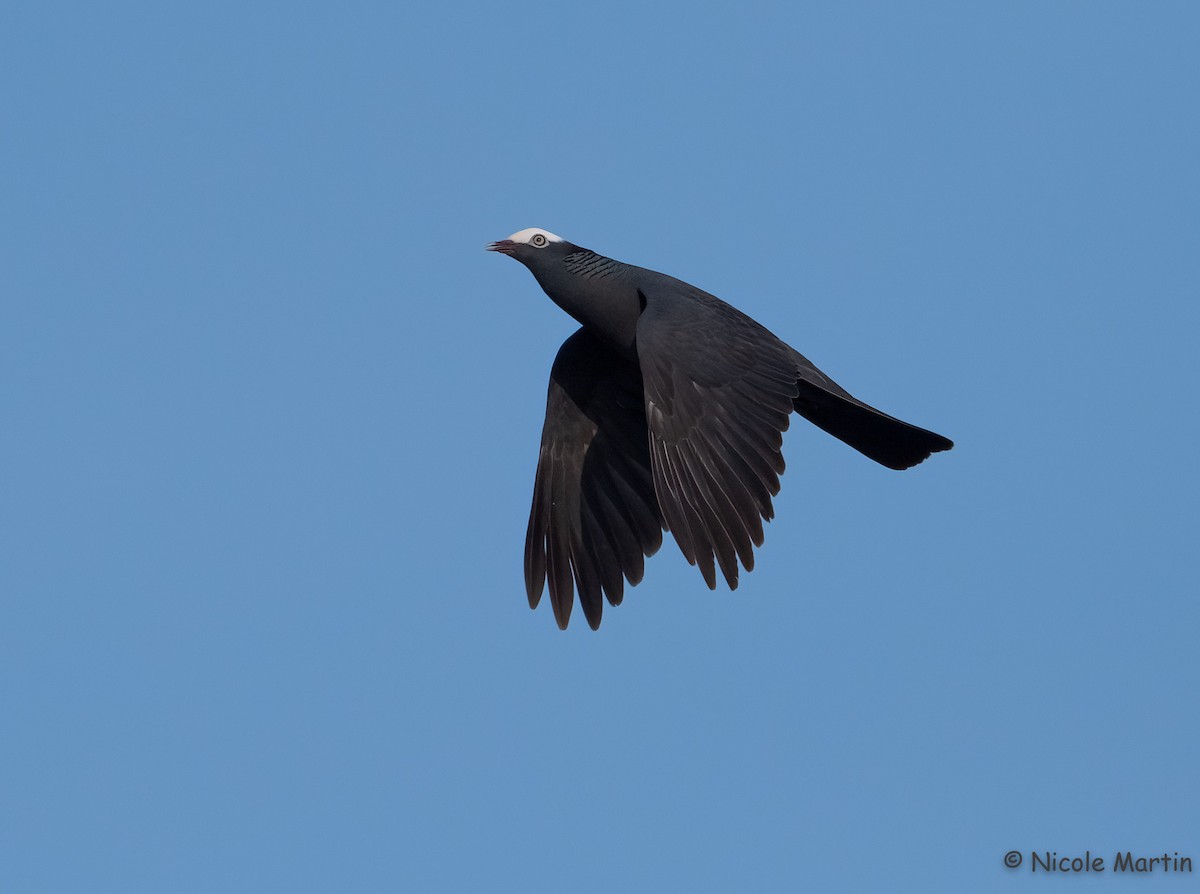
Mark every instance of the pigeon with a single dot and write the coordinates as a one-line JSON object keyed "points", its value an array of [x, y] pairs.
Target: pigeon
{"points": [[666, 411]]}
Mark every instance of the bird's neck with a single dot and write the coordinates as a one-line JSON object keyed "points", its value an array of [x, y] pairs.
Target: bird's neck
{"points": [[598, 292]]}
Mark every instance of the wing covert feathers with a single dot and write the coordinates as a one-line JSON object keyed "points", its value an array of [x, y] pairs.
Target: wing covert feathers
{"points": [[719, 389]]}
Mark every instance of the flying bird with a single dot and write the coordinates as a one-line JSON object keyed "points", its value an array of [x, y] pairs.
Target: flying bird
{"points": [[666, 411]]}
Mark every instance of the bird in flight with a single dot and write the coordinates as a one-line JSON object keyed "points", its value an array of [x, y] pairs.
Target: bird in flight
{"points": [[666, 411]]}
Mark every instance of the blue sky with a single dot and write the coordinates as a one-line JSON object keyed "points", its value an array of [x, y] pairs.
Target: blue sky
{"points": [[271, 418]]}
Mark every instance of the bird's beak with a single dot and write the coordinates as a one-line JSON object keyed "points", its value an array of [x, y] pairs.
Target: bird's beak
{"points": [[504, 246]]}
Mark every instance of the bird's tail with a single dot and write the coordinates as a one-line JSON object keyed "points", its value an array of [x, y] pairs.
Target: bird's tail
{"points": [[883, 438]]}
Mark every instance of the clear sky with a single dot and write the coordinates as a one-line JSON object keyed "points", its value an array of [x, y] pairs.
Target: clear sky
{"points": [[270, 420]]}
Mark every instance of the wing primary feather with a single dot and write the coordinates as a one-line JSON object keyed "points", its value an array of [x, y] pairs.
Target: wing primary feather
{"points": [[721, 540], [684, 523], [752, 495], [602, 548], [535, 544], [699, 537], [622, 552], [634, 486], [721, 491], [767, 465], [559, 551]]}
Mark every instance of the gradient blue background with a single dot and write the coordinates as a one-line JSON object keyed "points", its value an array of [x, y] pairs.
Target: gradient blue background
{"points": [[270, 419]]}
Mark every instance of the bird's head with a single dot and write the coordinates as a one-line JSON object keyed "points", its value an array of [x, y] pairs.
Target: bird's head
{"points": [[533, 247]]}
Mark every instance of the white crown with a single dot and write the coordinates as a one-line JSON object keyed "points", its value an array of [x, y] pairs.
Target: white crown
{"points": [[523, 236]]}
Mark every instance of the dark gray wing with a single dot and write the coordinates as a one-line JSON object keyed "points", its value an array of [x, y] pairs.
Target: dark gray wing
{"points": [[719, 389], [594, 515]]}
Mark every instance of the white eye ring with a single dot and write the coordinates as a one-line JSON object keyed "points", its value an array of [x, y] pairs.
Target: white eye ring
{"points": [[538, 240]]}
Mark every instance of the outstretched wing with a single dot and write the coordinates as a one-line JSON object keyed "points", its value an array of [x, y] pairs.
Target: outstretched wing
{"points": [[594, 515], [718, 389]]}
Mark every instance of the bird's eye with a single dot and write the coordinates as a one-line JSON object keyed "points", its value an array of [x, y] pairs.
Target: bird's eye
{"points": [[538, 240]]}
